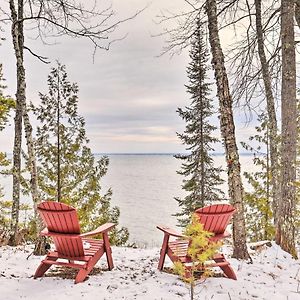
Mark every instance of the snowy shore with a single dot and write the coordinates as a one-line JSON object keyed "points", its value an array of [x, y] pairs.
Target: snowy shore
{"points": [[273, 275]]}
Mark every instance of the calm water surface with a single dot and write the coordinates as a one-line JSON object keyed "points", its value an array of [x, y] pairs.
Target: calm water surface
{"points": [[144, 187]]}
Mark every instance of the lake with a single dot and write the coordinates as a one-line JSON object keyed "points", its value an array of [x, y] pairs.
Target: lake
{"points": [[144, 187]]}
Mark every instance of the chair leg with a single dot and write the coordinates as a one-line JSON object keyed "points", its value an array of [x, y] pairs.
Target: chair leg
{"points": [[88, 267], [108, 251], [228, 271], [42, 268], [163, 252], [81, 275]]}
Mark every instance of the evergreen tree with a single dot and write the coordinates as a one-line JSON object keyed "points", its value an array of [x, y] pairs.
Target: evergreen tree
{"points": [[6, 105], [67, 169], [202, 178]]}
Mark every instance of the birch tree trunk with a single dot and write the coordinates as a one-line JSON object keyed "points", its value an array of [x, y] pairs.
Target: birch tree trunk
{"points": [[21, 115], [272, 120], [297, 12], [228, 134], [40, 241], [285, 231], [20, 96]]}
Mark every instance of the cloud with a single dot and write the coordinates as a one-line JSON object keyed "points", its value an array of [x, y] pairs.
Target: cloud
{"points": [[128, 95]]}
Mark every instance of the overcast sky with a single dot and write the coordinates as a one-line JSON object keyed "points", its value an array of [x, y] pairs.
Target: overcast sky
{"points": [[128, 95]]}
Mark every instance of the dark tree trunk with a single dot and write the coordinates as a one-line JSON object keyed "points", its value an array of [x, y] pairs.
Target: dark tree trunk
{"points": [[285, 231], [21, 116], [20, 98], [228, 134], [58, 141], [272, 120], [297, 12]]}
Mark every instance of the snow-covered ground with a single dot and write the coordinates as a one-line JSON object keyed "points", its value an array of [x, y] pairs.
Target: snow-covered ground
{"points": [[273, 275]]}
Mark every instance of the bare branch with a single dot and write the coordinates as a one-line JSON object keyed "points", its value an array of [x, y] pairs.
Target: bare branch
{"points": [[41, 58]]}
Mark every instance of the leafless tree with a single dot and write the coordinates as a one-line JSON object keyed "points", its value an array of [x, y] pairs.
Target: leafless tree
{"points": [[48, 19], [297, 12], [227, 125], [285, 231]]}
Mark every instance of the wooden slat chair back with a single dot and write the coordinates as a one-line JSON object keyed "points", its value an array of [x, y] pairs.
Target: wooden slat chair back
{"points": [[62, 219], [215, 219], [63, 227]]}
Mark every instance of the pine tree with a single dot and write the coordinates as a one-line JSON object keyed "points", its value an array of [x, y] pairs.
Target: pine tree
{"points": [[68, 171], [202, 178], [6, 105]]}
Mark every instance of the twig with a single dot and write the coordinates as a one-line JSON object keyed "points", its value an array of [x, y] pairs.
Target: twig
{"points": [[29, 255], [41, 58]]}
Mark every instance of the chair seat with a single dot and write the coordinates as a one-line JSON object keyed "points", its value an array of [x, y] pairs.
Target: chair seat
{"points": [[95, 245], [178, 249]]}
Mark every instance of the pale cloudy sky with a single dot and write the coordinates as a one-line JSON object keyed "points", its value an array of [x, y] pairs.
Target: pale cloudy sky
{"points": [[128, 95]]}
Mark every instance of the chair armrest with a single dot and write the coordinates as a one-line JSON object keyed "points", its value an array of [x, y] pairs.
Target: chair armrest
{"points": [[46, 232], [101, 229], [170, 231]]}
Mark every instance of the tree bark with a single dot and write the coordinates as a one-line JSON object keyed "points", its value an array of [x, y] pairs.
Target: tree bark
{"points": [[21, 116], [40, 241], [297, 12], [272, 120], [20, 96], [228, 134], [285, 231]]}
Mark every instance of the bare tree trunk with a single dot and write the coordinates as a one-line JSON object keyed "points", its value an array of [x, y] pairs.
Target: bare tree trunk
{"points": [[272, 120], [31, 158], [40, 241], [58, 141], [201, 134], [297, 12], [20, 96], [285, 231], [228, 133], [16, 176], [21, 115]]}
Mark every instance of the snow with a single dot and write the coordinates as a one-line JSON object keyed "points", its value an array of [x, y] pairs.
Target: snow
{"points": [[273, 275]]}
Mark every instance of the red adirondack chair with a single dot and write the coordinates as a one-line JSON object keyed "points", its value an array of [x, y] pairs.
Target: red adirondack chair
{"points": [[215, 219], [73, 248]]}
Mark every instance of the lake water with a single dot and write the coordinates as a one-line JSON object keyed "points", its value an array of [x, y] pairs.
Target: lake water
{"points": [[144, 187]]}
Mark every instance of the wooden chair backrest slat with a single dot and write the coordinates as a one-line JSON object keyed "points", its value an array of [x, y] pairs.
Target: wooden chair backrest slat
{"points": [[215, 218], [63, 219], [70, 247]]}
